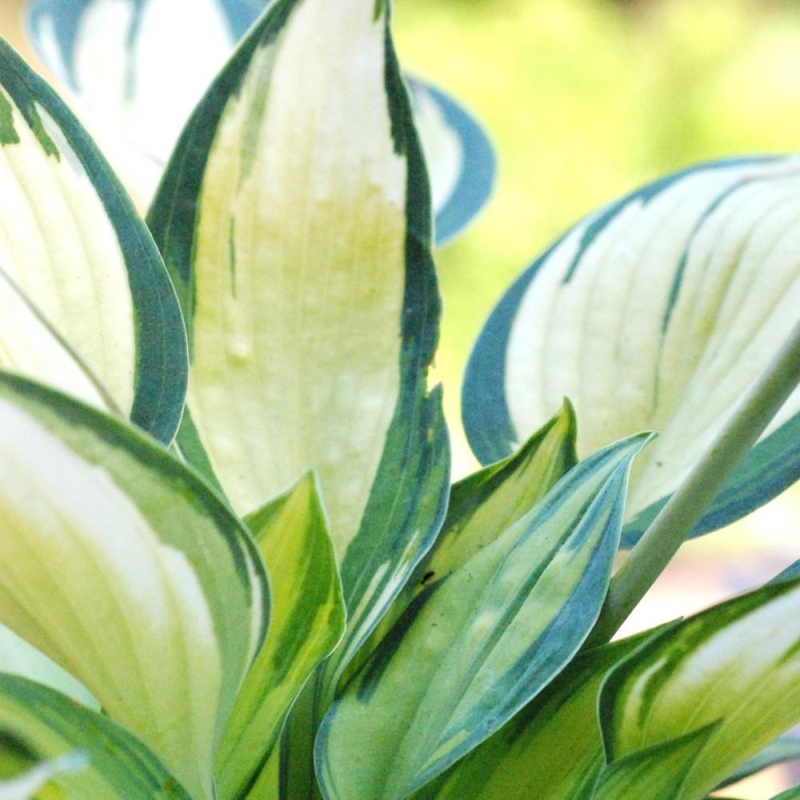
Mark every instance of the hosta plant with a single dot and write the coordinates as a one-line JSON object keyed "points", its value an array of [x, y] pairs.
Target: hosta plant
{"points": [[232, 564]]}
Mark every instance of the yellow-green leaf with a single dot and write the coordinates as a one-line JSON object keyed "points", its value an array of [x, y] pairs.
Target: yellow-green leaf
{"points": [[85, 754], [124, 568], [307, 620], [295, 219], [657, 773], [736, 665]]}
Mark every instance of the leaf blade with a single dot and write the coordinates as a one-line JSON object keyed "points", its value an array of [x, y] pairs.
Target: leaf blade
{"points": [[118, 766], [73, 245], [322, 363], [694, 313], [506, 622], [148, 100], [675, 685], [307, 621], [158, 620], [527, 755], [656, 773]]}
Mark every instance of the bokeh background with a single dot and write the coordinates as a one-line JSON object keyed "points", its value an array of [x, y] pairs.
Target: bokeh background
{"points": [[584, 101]]}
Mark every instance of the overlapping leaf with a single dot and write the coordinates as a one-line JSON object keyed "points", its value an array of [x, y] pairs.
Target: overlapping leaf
{"points": [[84, 753], [460, 159], [295, 219], [138, 76], [123, 567], [656, 312], [656, 773], [90, 307], [483, 505], [735, 666], [551, 749], [18, 657], [307, 621], [476, 645]]}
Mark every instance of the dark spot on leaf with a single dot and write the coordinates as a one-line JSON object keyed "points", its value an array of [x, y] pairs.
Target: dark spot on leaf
{"points": [[426, 577]]}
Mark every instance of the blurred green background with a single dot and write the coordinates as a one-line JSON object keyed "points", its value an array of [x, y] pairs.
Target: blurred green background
{"points": [[585, 100]]}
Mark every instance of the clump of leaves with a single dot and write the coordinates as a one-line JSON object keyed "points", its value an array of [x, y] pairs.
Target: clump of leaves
{"points": [[229, 543]]}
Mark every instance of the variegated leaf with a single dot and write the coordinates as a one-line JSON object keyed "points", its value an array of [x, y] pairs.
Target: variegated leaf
{"points": [[736, 665], [30, 345], [482, 506], [137, 76], [657, 773], [85, 754], [460, 159], [791, 572], [307, 621], [18, 657], [295, 219], [527, 757], [24, 785], [479, 643], [657, 312], [85, 288], [123, 567]]}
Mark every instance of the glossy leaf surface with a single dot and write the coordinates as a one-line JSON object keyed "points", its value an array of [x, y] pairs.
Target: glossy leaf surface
{"points": [[527, 756], [483, 505], [656, 312]]}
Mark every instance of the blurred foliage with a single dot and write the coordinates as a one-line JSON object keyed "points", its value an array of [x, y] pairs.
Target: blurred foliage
{"points": [[585, 100]]}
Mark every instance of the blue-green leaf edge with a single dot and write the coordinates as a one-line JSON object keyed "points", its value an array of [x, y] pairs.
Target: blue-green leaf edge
{"points": [[65, 17], [418, 416], [44, 402], [771, 466], [161, 359], [477, 173], [536, 672]]}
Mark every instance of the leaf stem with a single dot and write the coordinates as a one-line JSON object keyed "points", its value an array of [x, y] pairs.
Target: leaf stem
{"points": [[687, 505]]}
